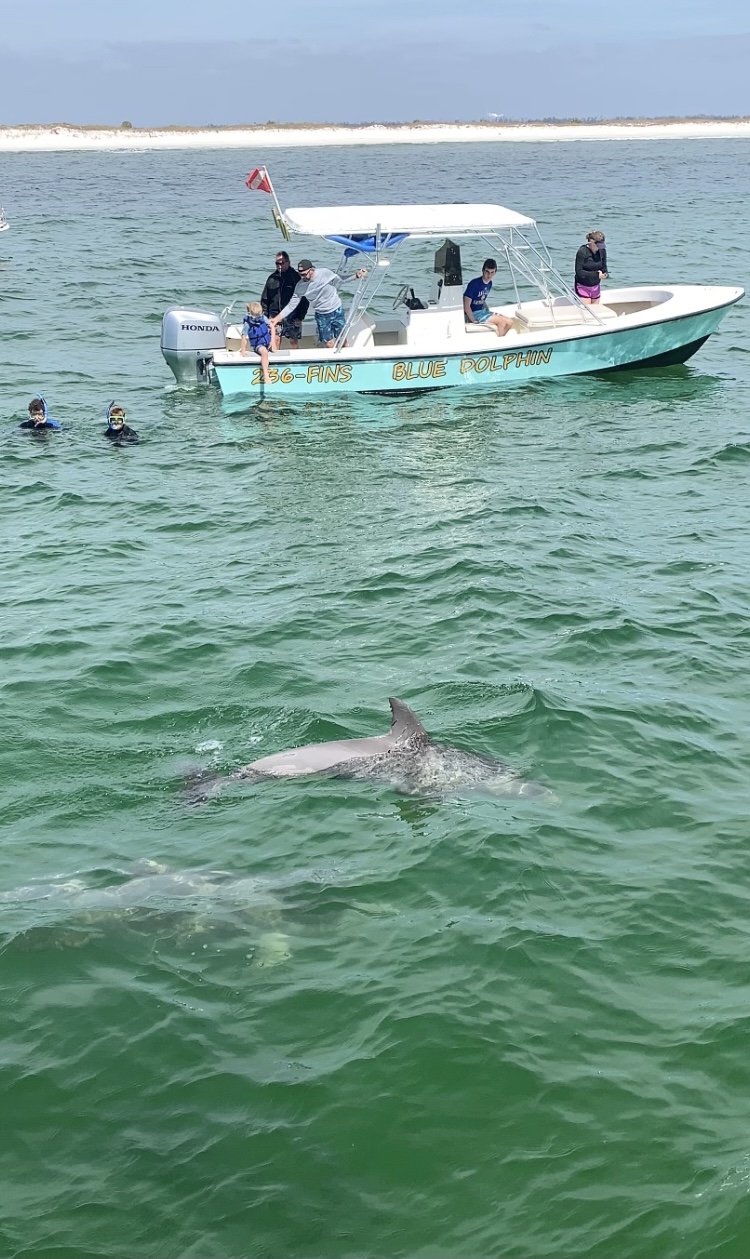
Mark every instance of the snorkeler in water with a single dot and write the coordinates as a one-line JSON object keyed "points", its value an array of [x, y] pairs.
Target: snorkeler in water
{"points": [[117, 430], [39, 419]]}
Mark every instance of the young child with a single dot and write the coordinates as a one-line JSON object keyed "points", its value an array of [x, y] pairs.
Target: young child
{"points": [[38, 419], [117, 430], [256, 332]]}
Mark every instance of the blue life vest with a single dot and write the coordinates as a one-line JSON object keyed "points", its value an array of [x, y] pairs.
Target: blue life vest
{"points": [[257, 330]]}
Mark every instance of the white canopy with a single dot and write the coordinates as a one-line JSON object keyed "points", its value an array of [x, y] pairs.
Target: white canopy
{"points": [[415, 220]]}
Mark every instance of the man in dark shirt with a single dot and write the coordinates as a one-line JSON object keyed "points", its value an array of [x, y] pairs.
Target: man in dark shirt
{"points": [[278, 290]]}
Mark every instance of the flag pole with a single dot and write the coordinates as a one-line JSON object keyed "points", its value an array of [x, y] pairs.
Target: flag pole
{"points": [[279, 215]]}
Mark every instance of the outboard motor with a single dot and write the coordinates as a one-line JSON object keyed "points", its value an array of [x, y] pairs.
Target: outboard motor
{"points": [[188, 340]]}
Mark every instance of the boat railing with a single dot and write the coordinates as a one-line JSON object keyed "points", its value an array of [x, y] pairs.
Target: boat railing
{"points": [[539, 272], [526, 259], [363, 295]]}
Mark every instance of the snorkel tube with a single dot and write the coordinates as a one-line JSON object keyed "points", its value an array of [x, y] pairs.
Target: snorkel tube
{"points": [[117, 421], [46, 417]]}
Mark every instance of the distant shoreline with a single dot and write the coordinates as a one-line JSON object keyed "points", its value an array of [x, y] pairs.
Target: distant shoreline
{"points": [[63, 137]]}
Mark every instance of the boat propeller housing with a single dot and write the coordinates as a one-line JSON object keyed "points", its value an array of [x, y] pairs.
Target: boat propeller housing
{"points": [[188, 339]]}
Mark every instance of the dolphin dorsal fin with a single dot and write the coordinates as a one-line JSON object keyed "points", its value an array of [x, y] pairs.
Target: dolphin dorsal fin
{"points": [[405, 725]]}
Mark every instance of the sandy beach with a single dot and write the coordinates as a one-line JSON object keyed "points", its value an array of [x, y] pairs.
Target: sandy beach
{"points": [[56, 138]]}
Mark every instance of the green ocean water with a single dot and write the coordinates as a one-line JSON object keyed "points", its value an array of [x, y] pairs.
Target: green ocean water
{"points": [[390, 1026]]}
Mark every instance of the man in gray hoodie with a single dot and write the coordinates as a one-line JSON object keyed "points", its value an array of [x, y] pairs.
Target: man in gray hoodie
{"points": [[321, 288]]}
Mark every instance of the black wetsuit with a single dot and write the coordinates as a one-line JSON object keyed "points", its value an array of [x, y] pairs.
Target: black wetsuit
{"points": [[40, 428], [588, 266], [279, 289], [123, 434]]}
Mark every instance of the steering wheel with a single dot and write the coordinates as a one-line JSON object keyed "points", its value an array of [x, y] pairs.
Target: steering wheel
{"points": [[401, 296]]}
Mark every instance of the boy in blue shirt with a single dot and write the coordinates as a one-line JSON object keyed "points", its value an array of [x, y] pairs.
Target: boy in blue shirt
{"points": [[256, 332], [38, 419], [475, 300]]}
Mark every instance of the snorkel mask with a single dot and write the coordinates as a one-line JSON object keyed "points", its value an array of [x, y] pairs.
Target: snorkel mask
{"points": [[36, 417], [114, 421]]}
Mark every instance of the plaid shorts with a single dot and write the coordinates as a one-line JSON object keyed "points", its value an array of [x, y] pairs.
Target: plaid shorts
{"points": [[291, 329]]}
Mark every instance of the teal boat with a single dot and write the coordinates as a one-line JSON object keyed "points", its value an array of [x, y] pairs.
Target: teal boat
{"points": [[425, 342]]}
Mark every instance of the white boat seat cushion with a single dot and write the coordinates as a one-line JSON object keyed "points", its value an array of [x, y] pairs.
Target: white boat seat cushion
{"points": [[480, 327], [562, 316]]}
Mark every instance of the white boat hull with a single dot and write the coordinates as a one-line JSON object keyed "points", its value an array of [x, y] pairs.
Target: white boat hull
{"points": [[668, 331]]}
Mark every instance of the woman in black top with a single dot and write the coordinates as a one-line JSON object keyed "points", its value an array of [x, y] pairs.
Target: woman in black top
{"points": [[591, 268]]}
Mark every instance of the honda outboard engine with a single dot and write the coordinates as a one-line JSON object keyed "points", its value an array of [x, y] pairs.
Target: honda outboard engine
{"points": [[188, 340]]}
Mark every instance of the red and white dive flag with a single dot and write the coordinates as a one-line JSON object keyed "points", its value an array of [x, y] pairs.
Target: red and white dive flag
{"points": [[258, 180]]}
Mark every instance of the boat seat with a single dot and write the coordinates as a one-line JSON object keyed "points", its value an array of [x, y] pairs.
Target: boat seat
{"points": [[561, 316]]}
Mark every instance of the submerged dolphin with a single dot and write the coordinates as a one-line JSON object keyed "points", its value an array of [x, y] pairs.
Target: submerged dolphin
{"points": [[406, 758], [72, 910]]}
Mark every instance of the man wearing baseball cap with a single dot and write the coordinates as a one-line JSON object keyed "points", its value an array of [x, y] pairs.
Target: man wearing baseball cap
{"points": [[321, 288]]}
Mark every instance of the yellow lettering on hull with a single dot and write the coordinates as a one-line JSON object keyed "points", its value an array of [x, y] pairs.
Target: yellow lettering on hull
{"points": [[421, 369], [497, 363], [406, 370]]}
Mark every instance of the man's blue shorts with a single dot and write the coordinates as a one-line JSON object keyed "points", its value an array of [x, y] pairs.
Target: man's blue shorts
{"points": [[481, 316], [330, 325]]}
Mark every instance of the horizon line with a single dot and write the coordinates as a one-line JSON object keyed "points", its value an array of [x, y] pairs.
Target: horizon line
{"points": [[496, 123]]}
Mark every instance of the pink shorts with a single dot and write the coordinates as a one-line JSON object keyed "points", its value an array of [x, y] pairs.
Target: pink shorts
{"points": [[592, 292]]}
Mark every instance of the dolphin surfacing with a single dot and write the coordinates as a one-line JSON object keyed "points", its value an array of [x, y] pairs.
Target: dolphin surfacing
{"points": [[405, 758]]}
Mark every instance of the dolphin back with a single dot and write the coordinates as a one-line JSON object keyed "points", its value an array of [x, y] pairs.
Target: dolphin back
{"points": [[201, 785], [406, 733], [406, 728]]}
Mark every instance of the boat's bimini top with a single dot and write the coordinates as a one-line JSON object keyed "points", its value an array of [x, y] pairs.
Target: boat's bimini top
{"points": [[425, 221]]}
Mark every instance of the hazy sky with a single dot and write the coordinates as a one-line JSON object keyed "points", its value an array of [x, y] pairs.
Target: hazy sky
{"points": [[154, 62]]}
